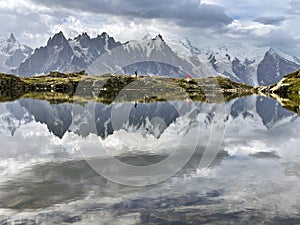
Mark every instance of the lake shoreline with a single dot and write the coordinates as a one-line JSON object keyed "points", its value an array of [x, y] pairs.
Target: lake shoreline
{"points": [[79, 87], [59, 87]]}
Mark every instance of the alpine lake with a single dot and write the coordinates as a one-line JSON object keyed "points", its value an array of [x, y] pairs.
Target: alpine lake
{"points": [[147, 151]]}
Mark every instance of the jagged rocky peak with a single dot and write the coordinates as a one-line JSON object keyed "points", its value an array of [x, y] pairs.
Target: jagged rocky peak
{"points": [[12, 38], [57, 39], [103, 35], [83, 39], [112, 43], [12, 53], [277, 52], [153, 37], [82, 36], [158, 37]]}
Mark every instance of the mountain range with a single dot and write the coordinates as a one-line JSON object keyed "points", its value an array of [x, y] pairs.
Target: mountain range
{"points": [[149, 56]]}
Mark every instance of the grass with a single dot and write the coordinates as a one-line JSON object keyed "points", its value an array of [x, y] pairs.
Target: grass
{"points": [[59, 87], [292, 91], [287, 92]]}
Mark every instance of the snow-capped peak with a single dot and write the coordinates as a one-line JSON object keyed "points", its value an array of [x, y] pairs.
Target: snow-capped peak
{"points": [[235, 50], [282, 54], [150, 36], [12, 53], [184, 47], [9, 45], [149, 43], [188, 44], [158, 37]]}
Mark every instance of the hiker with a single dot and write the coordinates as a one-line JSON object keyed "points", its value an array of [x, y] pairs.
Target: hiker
{"points": [[136, 73], [188, 77]]}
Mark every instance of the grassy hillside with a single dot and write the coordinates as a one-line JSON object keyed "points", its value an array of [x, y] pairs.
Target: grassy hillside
{"points": [[287, 91]]}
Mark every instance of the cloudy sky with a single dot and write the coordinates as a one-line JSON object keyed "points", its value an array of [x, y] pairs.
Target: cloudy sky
{"points": [[206, 22]]}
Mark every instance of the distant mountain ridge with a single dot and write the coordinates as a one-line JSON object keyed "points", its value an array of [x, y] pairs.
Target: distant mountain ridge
{"points": [[65, 55], [12, 53], [155, 56], [248, 64], [151, 57], [274, 67]]}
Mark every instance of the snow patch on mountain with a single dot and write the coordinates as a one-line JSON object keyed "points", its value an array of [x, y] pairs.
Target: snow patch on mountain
{"points": [[151, 52], [286, 56]]}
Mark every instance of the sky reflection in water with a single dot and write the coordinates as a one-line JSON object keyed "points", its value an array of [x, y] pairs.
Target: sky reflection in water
{"points": [[43, 176]]}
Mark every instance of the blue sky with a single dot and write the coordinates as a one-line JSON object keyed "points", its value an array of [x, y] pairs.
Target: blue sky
{"points": [[207, 22]]}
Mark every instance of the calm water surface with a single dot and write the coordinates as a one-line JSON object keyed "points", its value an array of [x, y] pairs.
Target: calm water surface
{"points": [[45, 179]]}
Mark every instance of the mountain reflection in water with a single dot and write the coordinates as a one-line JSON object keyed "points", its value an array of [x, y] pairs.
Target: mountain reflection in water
{"points": [[44, 177]]}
